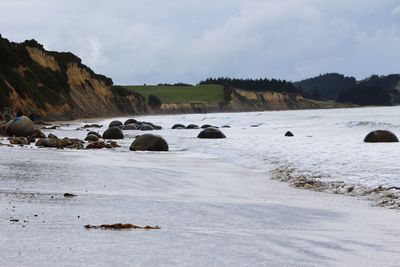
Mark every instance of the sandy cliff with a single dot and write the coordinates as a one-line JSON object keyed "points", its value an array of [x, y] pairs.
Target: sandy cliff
{"points": [[58, 86]]}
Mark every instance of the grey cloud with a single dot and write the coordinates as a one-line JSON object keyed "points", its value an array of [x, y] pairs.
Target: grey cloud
{"points": [[168, 41]]}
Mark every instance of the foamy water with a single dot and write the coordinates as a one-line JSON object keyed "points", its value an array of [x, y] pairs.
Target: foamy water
{"points": [[214, 199]]}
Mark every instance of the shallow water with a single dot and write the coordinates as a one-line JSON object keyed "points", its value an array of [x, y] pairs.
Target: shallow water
{"points": [[213, 199]]}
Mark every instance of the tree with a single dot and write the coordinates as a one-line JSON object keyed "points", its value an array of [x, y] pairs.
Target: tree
{"points": [[154, 102]]}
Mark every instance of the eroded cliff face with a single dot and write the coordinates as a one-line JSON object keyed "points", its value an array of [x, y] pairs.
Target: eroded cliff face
{"points": [[57, 86], [237, 100]]}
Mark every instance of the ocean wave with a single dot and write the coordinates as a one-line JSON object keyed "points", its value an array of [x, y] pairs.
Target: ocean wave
{"points": [[383, 196], [371, 124]]}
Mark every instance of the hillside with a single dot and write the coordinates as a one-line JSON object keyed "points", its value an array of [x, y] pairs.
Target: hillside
{"points": [[326, 86], [375, 90], [57, 86]]}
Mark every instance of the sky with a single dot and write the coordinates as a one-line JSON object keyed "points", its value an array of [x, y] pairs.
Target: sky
{"points": [[168, 41]]}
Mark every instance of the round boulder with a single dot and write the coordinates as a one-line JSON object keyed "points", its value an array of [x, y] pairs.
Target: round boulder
{"points": [[113, 133], [21, 126], [130, 121], [192, 126], [149, 142], [211, 133], [92, 138], [146, 127], [131, 126], [178, 126], [94, 133], [115, 124], [381, 136], [289, 134], [205, 126]]}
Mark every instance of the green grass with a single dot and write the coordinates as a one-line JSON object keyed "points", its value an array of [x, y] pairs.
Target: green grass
{"points": [[182, 94]]}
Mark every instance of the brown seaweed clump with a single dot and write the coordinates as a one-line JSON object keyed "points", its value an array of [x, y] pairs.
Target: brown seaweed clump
{"points": [[121, 226]]}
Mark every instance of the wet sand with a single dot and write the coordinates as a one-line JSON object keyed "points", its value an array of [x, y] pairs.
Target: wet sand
{"points": [[210, 213]]}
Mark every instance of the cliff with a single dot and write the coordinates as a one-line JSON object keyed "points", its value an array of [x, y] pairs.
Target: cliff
{"points": [[57, 86], [238, 100]]}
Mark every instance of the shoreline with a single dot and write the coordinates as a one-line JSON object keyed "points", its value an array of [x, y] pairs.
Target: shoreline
{"points": [[209, 212]]}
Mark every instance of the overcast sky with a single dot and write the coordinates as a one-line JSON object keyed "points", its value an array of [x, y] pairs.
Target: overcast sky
{"points": [[154, 41]]}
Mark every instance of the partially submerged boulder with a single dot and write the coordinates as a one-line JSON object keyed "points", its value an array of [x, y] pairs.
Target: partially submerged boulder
{"points": [[289, 134], [178, 126], [113, 133], [205, 126], [149, 142], [132, 126], [381, 136], [130, 121], [146, 127], [101, 144], [52, 136], [38, 134], [211, 133], [60, 143], [21, 126], [94, 133], [115, 124], [92, 138], [192, 126]]}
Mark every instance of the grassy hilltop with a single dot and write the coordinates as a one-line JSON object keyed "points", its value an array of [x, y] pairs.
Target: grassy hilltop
{"points": [[208, 93]]}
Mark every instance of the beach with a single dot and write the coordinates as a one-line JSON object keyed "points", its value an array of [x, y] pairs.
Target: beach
{"points": [[215, 200]]}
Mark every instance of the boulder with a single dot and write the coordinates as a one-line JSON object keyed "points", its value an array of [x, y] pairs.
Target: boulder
{"points": [[149, 142], [94, 133], [289, 134], [130, 121], [157, 127], [38, 134], [115, 124], [92, 138], [60, 143], [211, 133], [52, 136], [178, 126], [205, 126], [192, 126], [113, 133], [226, 126], [92, 126], [131, 126], [381, 136], [19, 141], [21, 126], [145, 127], [101, 144]]}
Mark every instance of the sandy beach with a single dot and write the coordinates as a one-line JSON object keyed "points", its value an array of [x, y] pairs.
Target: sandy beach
{"points": [[210, 213]]}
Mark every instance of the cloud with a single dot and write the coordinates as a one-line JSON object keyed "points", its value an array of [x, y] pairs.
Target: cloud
{"points": [[396, 11], [151, 41]]}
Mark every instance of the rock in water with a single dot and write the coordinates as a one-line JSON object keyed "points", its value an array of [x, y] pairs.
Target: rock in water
{"points": [[113, 133], [381, 136], [21, 126], [131, 126], [92, 138], [289, 134], [149, 142], [94, 133], [115, 124], [211, 133], [205, 126], [145, 127], [130, 121], [38, 134], [192, 126], [178, 126]]}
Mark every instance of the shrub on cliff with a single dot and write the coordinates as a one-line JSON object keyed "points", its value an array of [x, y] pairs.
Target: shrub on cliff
{"points": [[154, 102]]}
